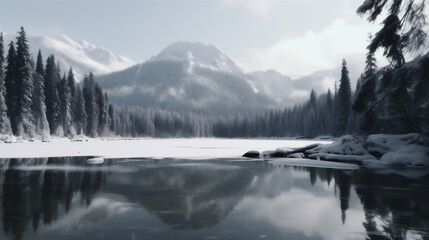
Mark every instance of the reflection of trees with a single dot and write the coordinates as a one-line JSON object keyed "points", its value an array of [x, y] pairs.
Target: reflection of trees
{"points": [[342, 179], [343, 182], [400, 203], [29, 196], [201, 195], [15, 209]]}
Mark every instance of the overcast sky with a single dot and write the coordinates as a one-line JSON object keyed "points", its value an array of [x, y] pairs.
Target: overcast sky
{"points": [[295, 37]]}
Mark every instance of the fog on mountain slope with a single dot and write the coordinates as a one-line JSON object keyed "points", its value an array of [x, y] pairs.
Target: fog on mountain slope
{"points": [[200, 77], [183, 76], [83, 56]]}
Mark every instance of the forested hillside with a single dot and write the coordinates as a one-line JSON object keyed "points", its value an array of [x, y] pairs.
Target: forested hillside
{"points": [[38, 100]]}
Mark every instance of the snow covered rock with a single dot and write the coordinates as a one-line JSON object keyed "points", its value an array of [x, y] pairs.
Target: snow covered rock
{"points": [[407, 149], [346, 145], [291, 153], [374, 150], [252, 154], [96, 160], [296, 155]]}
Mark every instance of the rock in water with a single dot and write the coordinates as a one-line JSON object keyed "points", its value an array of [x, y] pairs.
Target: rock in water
{"points": [[96, 160], [252, 154]]}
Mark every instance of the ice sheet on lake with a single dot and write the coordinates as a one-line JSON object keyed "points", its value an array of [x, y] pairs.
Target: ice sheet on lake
{"points": [[184, 148]]}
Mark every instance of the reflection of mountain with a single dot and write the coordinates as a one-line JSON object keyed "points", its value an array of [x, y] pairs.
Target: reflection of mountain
{"points": [[188, 196], [199, 195]]}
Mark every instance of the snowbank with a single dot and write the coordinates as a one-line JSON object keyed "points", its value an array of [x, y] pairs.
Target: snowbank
{"points": [[375, 150]]}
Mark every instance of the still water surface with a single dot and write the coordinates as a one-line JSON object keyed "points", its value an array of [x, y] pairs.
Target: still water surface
{"points": [[65, 198]]}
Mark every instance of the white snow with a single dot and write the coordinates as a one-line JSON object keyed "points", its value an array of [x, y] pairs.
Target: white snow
{"points": [[83, 57], [395, 150], [346, 145], [185, 148], [407, 155], [252, 86], [96, 160], [203, 54]]}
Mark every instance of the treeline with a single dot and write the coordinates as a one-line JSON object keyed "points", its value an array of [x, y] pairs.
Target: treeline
{"points": [[155, 122], [393, 99], [372, 108], [37, 100]]}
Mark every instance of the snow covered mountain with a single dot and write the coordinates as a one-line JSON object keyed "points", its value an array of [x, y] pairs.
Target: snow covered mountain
{"points": [[82, 56], [200, 77], [197, 77], [203, 54]]}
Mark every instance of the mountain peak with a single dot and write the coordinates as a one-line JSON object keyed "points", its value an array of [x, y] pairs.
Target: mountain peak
{"points": [[203, 54]]}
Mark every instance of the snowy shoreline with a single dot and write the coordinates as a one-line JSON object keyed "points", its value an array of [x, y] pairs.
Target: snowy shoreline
{"points": [[373, 150], [186, 148], [379, 150]]}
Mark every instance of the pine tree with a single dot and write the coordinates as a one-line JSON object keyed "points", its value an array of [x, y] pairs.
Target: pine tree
{"points": [[366, 96], [5, 127], [313, 118], [24, 78], [72, 86], [107, 118], [102, 110], [111, 118], [79, 112], [51, 79], [313, 99], [11, 88], [40, 69], [65, 113], [56, 127], [91, 109], [329, 101], [343, 101], [39, 107], [403, 28]]}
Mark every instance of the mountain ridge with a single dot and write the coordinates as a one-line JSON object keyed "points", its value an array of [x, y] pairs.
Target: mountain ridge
{"points": [[200, 77], [83, 57]]}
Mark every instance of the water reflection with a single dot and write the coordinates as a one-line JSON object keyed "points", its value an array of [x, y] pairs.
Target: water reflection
{"points": [[64, 198]]}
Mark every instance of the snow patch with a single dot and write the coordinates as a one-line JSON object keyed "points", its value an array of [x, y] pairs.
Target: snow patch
{"points": [[252, 86]]}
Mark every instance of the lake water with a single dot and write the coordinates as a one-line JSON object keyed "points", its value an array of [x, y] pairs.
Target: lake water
{"points": [[65, 198]]}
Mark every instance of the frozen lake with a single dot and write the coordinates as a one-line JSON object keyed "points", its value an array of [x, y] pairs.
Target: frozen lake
{"points": [[189, 148], [65, 198], [189, 195]]}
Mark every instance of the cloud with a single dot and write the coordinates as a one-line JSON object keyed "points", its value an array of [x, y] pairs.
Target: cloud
{"points": [[312, 51], [259, 7]]}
